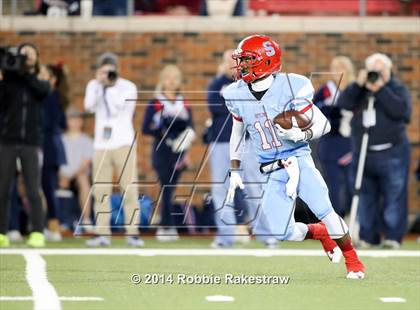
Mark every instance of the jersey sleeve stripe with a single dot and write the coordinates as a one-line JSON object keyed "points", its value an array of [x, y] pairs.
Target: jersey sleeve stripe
{"points": [[239, 119], [306, 109]]}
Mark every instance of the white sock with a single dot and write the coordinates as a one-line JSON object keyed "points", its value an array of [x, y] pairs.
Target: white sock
{"points": [[336, 226], [299, 232]]}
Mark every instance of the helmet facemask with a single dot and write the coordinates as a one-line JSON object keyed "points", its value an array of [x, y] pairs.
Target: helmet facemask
{"points": [[246, 61]]}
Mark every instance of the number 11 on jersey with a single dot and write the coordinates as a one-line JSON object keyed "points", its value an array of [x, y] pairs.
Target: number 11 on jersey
{"points": [[265, 145]]}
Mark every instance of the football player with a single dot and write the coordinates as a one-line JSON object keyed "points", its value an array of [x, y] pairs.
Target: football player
{"points": [[259, 95]]}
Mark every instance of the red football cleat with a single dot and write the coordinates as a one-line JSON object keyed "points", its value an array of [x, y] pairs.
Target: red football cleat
{"points": [[355, 268]]}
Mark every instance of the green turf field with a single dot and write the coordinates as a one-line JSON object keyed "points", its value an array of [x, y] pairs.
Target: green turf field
{"points": [[314, 283]]}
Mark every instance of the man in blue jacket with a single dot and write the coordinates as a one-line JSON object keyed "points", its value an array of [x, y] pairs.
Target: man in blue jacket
{"points": [[388, 156]]}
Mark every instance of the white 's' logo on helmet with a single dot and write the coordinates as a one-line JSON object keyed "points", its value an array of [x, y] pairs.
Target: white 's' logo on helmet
{"points": [[269, 49]]}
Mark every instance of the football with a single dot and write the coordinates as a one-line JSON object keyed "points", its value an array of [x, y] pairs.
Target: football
{"points": [[284, 119]]}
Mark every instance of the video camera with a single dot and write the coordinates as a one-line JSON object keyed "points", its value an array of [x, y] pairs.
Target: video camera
{"points": [[11, 60]]}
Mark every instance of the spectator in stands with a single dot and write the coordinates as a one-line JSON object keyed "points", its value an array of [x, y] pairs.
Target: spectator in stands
{"points": [[169, 7], [222, 7], [113, 100], [56, 8], [168, 119], [110, 7], [21, 96], [77, 171], [383, 197], [334, 149], [54, 121]]}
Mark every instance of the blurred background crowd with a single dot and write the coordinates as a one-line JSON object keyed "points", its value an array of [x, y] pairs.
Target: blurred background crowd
{"points": [[69, 165], [210, 7]]}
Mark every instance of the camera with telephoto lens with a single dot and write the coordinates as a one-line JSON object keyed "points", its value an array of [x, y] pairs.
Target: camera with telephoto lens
{"points": [[373, 76], [11, 60], [112, 76]]}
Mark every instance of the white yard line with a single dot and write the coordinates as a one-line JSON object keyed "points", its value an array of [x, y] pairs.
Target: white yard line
{"points": [[44, 294], [63, 298], [79, 298], [202, 252], [392, 299], [16, 298], [219, 298]]}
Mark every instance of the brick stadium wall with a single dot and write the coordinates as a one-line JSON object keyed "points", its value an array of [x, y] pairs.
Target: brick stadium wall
{"points": [[198, 54]]}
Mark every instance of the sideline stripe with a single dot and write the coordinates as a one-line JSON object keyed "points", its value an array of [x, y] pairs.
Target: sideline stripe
{"points": [[202, 252], [63, 298], [44, 294]]}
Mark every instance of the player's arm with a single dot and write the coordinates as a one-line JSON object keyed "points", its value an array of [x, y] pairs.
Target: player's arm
{"points": [[320, 124], [236, 147]]}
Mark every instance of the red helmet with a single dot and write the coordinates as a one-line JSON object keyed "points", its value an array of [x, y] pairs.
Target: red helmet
{"points": [[257, 56]]}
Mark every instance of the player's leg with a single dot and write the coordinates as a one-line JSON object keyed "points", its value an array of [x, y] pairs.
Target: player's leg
{"points": [[278, 209], [313, 190], [318, 231], [254, 180], [224, 214]]}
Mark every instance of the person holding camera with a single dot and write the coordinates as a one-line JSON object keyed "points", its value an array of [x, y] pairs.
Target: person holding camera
{"points": [[113, 100], [383, 195], [21, 135]]}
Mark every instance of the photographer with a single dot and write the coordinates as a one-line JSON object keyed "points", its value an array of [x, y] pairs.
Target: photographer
{"points": [[21, 97], [388, 154], [113, 100]]}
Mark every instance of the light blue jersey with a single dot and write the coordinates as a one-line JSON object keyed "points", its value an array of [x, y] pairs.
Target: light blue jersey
{"points": [[287, 92]]}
